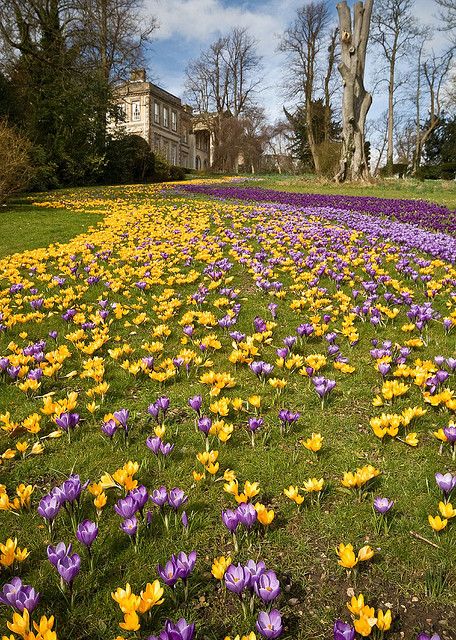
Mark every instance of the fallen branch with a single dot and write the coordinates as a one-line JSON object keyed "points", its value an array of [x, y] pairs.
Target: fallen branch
{"points": [[418, 537]]}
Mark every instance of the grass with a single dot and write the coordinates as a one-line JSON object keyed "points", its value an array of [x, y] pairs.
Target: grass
{"points": [[416, 578]]}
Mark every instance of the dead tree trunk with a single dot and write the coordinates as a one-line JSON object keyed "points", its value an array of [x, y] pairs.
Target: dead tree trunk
{"points": [[356, 100]]}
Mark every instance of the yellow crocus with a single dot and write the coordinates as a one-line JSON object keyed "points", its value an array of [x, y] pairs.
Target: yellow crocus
{"points": [[437, 523], [384, 620], [219, 567], [347, 558]]}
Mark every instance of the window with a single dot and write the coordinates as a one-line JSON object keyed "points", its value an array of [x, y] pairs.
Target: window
{"points": [[156, 142], [174, 154], [173, 120], [184, 134], [165, 117], [156, 113], [136, 111]]}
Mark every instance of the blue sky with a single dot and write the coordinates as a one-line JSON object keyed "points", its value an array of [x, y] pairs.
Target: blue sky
{"points": [[188, 26]]}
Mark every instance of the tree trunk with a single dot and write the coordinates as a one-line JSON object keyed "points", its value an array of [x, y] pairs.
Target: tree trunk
{"points": [[356, 100], [311, 137], [390, 145]]}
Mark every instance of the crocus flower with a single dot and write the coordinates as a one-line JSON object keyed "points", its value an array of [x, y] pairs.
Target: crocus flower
{"points": [[58, 552], [267, 586], [185, 563], [159, 496], [86, 532], [425, 636], [237, 578], [67, 421], [170, 573], [270, 624], [204, 425], [48, 507], [122, 417], [176, 498], [19, 596], [446, 482], [343, 631], [230, 520], [126, 507], [196, 403], [246, 514], [69, 567], [109, 428], [383, 505], [130, 526]]}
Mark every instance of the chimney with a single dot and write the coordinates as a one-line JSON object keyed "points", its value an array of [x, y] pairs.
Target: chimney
{"points": [[138, 75]]}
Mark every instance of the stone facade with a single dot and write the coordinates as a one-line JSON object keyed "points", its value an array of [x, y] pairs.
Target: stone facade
{"points": [[164, 122]]}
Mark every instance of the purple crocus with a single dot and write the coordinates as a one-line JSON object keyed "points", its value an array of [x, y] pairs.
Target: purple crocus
{"points": [[204, 425], [185, 563], [159, 496], [196, 403], [446, 482], [383, 505], [130, 526], [122, 416], [19, 596], [426, 636], [170, 573], [109, 428], [270, 624], [69, 567], [267, 586], [126, 507], [343, 631], [57, 553], [230, 520], [176, 498], [181, 630], [86, 533], [48, 507], [246, 514], [67, 421], [323, 386], [237, 578]]}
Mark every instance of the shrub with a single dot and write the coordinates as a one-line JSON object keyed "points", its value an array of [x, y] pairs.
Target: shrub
{"points": [[128, 159], [15, 166], [443, 171]]}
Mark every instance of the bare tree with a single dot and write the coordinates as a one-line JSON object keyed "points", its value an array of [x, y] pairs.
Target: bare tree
{"points": [[302, 42], [394, 29], [278, 142], [356, 100], [222, 84], [112, 34], [435, 72], [447, 17]]}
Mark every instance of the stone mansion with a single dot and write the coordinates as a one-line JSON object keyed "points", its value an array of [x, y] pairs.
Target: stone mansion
{"points": [[169, 127]]}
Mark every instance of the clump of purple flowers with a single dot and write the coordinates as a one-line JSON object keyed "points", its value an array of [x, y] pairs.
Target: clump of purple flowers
{"points": [[19, 596]]}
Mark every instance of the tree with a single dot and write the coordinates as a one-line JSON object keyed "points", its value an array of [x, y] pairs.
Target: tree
{"points": [[435, 72], [447, 17], [302, 43], [394, 29], [61, 74], [222, 85], [440, 146], [356, 100], [15, 165], [322, 132], [278, 146]]}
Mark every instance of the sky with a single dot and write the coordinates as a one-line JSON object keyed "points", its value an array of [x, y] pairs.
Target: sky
{"points": [[188, 26]]}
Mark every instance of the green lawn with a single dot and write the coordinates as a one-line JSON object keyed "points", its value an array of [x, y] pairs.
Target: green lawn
{"points": [[24, 226]]}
